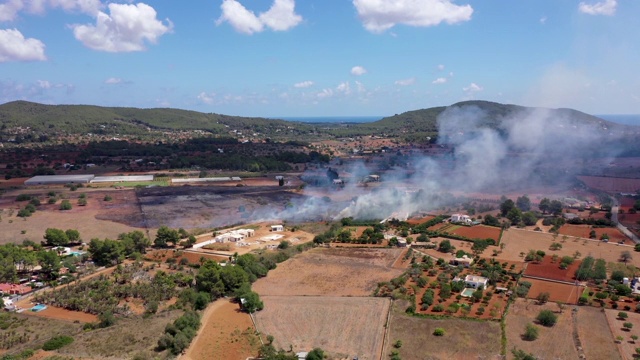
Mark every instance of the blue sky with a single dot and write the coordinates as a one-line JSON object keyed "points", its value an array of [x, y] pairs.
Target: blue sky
{"points": [[321, 57]]}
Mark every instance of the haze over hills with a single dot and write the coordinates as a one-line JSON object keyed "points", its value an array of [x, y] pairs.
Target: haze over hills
{"points": [[411, 125]]}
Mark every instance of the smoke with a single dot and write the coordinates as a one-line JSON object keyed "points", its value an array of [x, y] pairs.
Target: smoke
{"points": [[480, 151]]}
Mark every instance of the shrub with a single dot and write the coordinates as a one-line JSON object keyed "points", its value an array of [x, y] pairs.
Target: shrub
{"points": [[622, 315], [65, 205], [439, 332], [438, 308], [547, 318], [23, 197], [57, 342], [530, 332], [627, 326]]}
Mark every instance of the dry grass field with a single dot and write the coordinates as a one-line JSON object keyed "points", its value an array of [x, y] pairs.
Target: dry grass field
{"points": [[553, 343], [342, 326], [331, 272], [517, 241], [225, 333], [595, 335], [464, 339], [627, 346]]}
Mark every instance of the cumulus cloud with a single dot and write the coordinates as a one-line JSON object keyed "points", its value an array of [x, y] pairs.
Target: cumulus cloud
{"points": [[378, 16], [325, 93], [440, 80], [206, 98], [116, 81], [127, 29], [303, 84], [91, 7], [344, 88], [14, 47], [472, 88], [607, 7], [440, 67], [405, 82], [9, 10], [358, 70], [280, 17]]}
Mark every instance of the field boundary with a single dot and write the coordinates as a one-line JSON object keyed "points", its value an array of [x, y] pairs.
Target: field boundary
{"points": [[387, 325], [550, 280]]}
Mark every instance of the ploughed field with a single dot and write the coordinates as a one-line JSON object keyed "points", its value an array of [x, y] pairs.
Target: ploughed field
{"points": [[342, 326], [331, 272]]}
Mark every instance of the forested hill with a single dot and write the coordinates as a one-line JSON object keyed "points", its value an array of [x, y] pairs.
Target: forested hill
{"points": [[17, 116]]}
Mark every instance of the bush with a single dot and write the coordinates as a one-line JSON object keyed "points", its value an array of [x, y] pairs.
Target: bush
{"points": [[547, 318], [65, 205], [439, 332], [107, 198], [530, 332], [23, 197], [57, 342]]}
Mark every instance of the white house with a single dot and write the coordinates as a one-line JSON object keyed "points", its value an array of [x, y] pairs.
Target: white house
{"points": [[459, 218], [464, 261], [277, 228], [475, 281]]}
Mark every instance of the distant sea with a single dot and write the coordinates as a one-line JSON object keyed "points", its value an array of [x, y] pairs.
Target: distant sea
{"points": [[331, 119], [622, 119]]}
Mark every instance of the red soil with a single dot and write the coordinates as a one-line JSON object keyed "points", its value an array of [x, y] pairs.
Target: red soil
{"points": [[564, 293], [583, 231], [479, 232], [548, 270]]}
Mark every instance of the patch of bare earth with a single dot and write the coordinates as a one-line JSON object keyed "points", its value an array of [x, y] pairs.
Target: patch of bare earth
{"points": [[342, 326], [225, 333], [626, 346], [464, 339], [331, 272], [595, 335], [553, 342]]}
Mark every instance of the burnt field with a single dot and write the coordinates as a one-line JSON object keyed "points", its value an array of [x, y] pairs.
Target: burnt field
{"points": [[209, 206]]}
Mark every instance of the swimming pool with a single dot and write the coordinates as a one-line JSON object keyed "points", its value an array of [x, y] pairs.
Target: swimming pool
{"points": [[39, 307], [467, 292]]}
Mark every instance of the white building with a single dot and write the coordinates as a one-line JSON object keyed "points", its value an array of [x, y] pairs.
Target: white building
{"points": [[475, 281], [459, 218], [277, 228]]}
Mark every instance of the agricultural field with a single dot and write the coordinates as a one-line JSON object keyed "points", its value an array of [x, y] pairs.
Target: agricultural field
{"points": [[342, 326], [550, 269], [622, 336], [595, 334], [610, 184], [463, 339], [564, 293], [553, 343], [331, 272], [518, 241], [479, 232], [226, 333], [583, 231]]}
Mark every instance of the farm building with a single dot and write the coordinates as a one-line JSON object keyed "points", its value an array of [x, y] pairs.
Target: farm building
{"points": [[475, 281], [204, 180], [459, 218], [464, 261], [129, 178], [277, 228], [373, 178], [59, 179], [338, 182]]}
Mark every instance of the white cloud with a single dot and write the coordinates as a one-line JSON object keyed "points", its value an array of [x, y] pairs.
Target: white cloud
{"points": [[379, 15], [91, 7], [358, 70], [206, 98], [472, 88], [9, 10], [440, 80], [543, 20], [125, 30], [405, 82], [344, 88], [606, 7], [280, 17], [44, 84], [361, 87], [303, 84], [113, 81], [325, 93], [440, 67], [14, 47]]}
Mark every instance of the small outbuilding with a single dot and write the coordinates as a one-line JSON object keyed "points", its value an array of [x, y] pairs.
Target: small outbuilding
{"points": [[277, 228], [464, 260]]}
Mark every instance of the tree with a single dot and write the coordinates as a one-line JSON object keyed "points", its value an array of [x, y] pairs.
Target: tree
{"points": [[315, 354], [82, 201], [56, 237], [547, 318], [445, 246], [545, 205], [529, 218], [543, 297], [506, 206], [252, 302], [622, 315], [73, 235], [555, 207], [50, 263], [165, 236], [521, 355], [523, 203], [491, 221], [65, 205], [134, 241], [627, 326], [515, 216], [439, 332], [106, 252], [530, 332], [625, 256]]}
